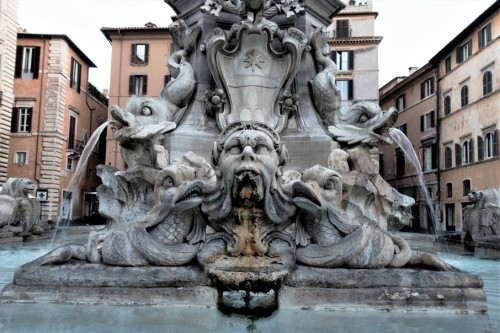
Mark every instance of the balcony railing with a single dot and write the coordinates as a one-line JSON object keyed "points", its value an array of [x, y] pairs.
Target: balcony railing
{"points": [[342, 32]]}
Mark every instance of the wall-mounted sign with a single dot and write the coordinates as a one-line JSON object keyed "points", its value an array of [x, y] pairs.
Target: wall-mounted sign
{"points": [[42, 195]]}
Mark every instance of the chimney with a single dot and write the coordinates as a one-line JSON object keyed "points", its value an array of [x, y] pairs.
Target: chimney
{"points": [[412, 70]]}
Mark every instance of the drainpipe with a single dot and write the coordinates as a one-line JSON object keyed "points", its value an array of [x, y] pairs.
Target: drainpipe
{"points": [[39, 113], [438, 140]]}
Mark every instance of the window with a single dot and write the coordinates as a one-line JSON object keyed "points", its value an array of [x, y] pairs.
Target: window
{"points": [[72, 132], [76, 75], [464, 52], [346, 89], [402, 128], [140, 54], [427, 88], [449, 190], [447, 65], [138, 84], [27, 62], [21, 158], [464, 96], [487, 83], [401, 103], [343, 29], [450, 217], [427, 121], [466, 185], [343, 59], [484, 36], [400, 162], [430, 160], [467, 152], [447, 105], [21, 120], [69, 164], [448, 156], [490, 145]]}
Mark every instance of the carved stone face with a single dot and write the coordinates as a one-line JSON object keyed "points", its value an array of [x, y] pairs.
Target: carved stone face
{"points": [[475, 195], [250, 159]]}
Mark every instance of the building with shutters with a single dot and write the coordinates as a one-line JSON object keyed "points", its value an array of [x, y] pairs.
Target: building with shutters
{"points": [[54, 112], [455, 99], [138, 66], [354, 48]]}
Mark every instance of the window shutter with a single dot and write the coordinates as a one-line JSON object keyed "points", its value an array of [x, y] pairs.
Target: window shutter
{"points": [[36, 62], [433, 121], [133, 54], [351, 89], [422, 123], [131, 85], [19, 62], [471, 150], [145, 85], [469, 48], [495, 143], [79, 78], [333, 56], [404, 105], [459, 55], [488, 34], [447, 157], [458, 154], [432, 86], [422, 90], [351, 60], [480, 153], [480, 41], [146, 57], [28, 120], [13, 123], [71, 73], [434, 156]]}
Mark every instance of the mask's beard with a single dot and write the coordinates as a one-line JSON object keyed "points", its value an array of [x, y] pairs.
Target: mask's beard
{"points": [[248, 189]]}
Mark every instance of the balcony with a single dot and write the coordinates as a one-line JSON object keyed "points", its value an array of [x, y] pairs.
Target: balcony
{"points": [[342, 33]]}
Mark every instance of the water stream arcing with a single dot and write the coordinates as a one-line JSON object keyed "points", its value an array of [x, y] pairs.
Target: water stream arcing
{"points": [[401, 141], [76, 179]]}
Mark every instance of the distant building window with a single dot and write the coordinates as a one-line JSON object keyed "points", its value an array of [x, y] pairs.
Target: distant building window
{"points": [[484, 36], [487, 83], [466, 185], [342, 29], [489, 145], [140, 54], [467, 152], [449, 190], [346, 89], [400, 162], [27, 62], [448, 157], [138, 84], [69, 164], [401, 103], [464, 52], [21, 120], [430, 160], [343, 59], [76, 75], [447, 65], [427, 88], [450, 217], [427, 121], [464, 96], [402, 128], [21, 158], [447, 105]]}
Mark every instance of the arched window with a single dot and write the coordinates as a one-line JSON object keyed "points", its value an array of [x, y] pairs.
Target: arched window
{"points": [[447, 105], [464, 96], [488, 145], [467, 152], [466, 184], [487, 83]]}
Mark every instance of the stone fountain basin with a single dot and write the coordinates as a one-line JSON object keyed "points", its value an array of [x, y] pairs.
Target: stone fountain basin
{"points": [[306, 287]]}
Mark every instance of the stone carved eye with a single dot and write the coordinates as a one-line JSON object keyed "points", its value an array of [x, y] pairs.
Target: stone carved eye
{"points": [[363, 118], [329, 184], [146, 111], [235, 150], [168, 182], [261, 149]]}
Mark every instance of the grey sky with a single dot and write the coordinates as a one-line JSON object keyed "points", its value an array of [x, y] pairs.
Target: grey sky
{"points": [[413, 30]]}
